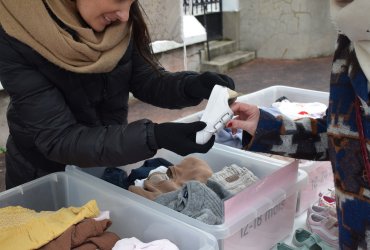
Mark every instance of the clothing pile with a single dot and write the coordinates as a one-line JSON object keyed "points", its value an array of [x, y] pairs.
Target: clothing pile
{"points": [[68, 228], [189, 187], [296, 110]]}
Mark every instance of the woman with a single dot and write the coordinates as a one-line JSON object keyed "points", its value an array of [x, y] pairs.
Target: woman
{"points": [[342, 136], [68, 67]]}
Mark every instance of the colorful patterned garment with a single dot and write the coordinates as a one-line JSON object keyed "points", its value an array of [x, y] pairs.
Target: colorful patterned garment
{"points": [[334, 137]]}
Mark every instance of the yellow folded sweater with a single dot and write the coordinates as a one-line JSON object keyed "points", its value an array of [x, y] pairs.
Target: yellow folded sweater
{"points": [[22, 228]]}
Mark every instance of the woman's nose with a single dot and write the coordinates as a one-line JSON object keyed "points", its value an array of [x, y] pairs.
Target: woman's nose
{"points": [[123, 15]]}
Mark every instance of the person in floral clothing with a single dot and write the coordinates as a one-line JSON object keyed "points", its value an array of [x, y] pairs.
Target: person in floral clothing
{"points": [[342, 136]]}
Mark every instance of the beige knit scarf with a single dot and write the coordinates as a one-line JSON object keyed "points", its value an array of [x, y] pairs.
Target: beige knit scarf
{"points": [[95, 52], [352, 18]]}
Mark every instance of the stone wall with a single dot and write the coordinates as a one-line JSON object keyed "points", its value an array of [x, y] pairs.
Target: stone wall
{"points": [[173, 60], [231, 26], [286, 29]]}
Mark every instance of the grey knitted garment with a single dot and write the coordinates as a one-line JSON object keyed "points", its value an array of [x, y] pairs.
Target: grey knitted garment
{"points": [[220, 190], [195, 200]]}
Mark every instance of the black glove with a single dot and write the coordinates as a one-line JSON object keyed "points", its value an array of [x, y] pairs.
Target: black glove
{"points": [[180, 137], [200, 86]]}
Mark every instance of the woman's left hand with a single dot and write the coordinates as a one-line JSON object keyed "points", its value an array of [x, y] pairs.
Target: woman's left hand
{"points": [[201, 85], [247, 117]]}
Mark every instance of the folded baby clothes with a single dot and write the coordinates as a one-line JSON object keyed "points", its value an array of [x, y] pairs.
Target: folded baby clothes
{"points": [[219, 189], [156, 171], [226, 137], [190, 168], [296, 110], [22, 228], [143, 171], [104, 215], [87, 234], [135, 244], [195, 200], [234, 178], [116, 176]]}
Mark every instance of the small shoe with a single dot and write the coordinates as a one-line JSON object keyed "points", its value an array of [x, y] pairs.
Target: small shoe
{"points": [[325, 227], [300, 236], [283, 246], [327, 201], [332, 192], [323, 211], [304, 239], [217, 113]]}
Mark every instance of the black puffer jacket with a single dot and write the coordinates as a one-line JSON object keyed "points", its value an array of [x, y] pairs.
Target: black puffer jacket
{"points": [[58, 117]]}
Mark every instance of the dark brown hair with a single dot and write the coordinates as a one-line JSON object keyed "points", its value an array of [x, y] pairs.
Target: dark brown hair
{"points": [[141, 35]]}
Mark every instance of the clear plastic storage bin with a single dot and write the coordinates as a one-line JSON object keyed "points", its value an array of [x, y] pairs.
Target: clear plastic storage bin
{"points": [[265, 97], [256, 218], [320, 180], [129, 217], [320, 176]]}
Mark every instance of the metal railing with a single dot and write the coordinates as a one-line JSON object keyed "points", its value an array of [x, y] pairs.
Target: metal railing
{"points": [[203, 8], [199, 7]]}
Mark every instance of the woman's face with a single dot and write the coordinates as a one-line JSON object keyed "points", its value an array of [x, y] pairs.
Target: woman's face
{"points": [[99, 14]]}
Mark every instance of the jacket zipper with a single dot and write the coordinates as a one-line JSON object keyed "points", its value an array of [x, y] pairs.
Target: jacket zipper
{"points": [[105, 86]]}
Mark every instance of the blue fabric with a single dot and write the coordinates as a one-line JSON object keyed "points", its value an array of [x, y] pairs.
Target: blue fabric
{"points": [[354, 222], [225, 137], [143, 171], [116, 176]]}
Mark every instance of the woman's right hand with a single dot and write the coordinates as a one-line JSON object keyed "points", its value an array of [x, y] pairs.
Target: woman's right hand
{"points": [[180, 137], [246, 117]]}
